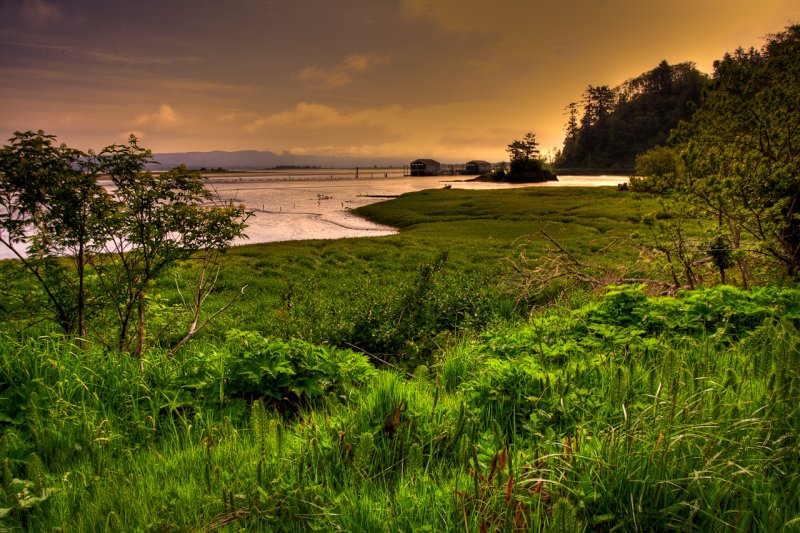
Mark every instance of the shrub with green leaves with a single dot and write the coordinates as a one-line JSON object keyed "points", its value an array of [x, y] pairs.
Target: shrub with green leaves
{"points": [[289, 373], [559, 370]]}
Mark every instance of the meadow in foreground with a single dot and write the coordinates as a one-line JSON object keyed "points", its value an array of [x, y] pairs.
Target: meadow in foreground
{"points": [[412, 388]]}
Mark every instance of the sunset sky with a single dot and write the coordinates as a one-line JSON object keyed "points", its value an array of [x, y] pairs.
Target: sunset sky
{"points": [[448, 79]]}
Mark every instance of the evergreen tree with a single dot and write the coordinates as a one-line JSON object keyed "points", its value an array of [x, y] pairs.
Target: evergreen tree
{"points": [[619, 123]]}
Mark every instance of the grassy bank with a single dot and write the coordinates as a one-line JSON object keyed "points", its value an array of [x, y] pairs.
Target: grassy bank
{"points": [[449, 262], [403, 383]]}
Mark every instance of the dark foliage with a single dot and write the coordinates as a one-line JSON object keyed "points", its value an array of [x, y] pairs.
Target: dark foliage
{"points": [[619, 123], [741, 150]]}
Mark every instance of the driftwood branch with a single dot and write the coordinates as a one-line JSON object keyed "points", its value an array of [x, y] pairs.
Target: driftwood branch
{"points": [[194, 329], [559, 265], [202, 289]]}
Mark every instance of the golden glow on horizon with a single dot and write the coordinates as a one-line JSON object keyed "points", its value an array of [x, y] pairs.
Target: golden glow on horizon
{"points": [[449, 79]]}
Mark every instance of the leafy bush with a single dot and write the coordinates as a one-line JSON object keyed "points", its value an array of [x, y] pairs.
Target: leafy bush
{"points": [[657, 170], [289, 373], [548, 376], [724, 311], [420, 317]]}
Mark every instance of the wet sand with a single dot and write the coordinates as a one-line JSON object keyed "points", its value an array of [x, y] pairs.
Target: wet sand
{"points": [[317, 203], [320, 208]]}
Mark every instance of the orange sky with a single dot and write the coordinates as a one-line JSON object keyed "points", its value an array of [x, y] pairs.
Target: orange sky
{"points": [[449, 79]]}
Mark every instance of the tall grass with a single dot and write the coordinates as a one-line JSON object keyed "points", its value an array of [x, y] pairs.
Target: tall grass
{"points": [[624, 412], [553, 424]]}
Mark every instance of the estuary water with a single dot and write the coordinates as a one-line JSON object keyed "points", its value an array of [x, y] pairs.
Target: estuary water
{"points": [[318, 204], [320, 207]]}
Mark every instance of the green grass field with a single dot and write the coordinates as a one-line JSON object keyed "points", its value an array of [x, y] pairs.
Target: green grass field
{"points": [[406, 383], [332, 284]]}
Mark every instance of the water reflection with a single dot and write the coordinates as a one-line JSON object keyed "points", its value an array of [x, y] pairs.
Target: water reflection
{"points": [[317, 204], [320, 208]]}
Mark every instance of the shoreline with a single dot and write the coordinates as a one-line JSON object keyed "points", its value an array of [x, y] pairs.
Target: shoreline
{"points": [[314, 207]]}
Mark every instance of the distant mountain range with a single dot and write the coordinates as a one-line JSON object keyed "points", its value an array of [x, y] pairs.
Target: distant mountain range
{"points": [[255, 159]]}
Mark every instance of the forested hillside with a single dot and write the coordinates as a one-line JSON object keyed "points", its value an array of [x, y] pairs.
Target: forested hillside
{"points": [[610, 126]]}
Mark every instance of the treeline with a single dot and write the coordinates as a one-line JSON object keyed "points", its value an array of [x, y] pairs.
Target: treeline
{"points": [[736, 162], [610, 126], [725, 146]]}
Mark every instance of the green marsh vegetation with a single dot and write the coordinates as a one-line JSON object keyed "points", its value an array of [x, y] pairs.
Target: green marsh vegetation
{"points": [[543, 359], [410, 387]]}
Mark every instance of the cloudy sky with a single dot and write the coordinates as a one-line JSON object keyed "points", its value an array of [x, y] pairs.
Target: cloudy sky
{"points": [[448, 79]]}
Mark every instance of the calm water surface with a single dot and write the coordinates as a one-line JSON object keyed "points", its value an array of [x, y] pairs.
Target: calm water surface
{"points": [[319, 206]]}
